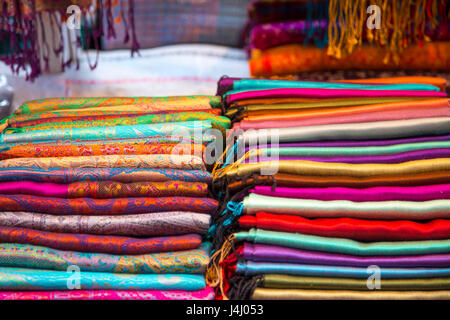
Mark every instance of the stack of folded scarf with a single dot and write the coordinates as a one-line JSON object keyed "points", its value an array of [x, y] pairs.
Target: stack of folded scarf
{"points": [[330, 185], [108, 196], [292, 36]]}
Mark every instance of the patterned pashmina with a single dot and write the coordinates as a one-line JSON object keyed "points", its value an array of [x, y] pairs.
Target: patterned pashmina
{"points": [[100, 244], [152, 224], [34, 279], [103, 207], [28, 256]]}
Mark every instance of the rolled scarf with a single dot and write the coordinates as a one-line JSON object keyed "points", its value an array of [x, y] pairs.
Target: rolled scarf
{"points": [[250, 268], [216, 121], [152, 224], [355, 131], [345, 246], [97, 149], [106, 189], [279, 281], [297, 294], [143, 161], [108, 132], [416, 193], [34, 257], [268, 253], [386, 210], [123, 175], [204, 294], [100, 244], [33, 279], [117, 206], [150, 103], [357, 229]]}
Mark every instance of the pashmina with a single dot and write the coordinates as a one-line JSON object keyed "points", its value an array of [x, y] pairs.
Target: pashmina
{"points": [[97, 149], [100, 244], [151, 104], [33, 279], [108, 132], [266, 253], [50, 117], [385, 210], [311, 168], [279, 281], [295, 58], [27, 256], [153, 224], [106, 189], [142, 161], [287, 180], [328, 93], [123, 175], [345, 246], [357, 229], [204, 294], [417, 193], [216, 121], [103, 207], [249, 268], [378, 130], [297, 294]]}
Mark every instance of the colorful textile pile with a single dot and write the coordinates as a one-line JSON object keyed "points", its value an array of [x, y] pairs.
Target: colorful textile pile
{"points": [[333, 190], [293, 36], [107, 198]]}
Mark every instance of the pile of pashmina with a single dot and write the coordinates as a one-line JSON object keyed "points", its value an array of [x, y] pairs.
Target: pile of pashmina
{"points": [[292, 36], [107, 198], [333, 190]]}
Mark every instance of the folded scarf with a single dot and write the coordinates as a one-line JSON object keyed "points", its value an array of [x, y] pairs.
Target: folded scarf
{"points": [[108, 132], [216, 121], [267, 253], [389, 158], [353, 131], [151, 103], [42, 118], [102, 207], [357, 229], [33, 279], [345, 246], [106, 189], [297, 294], [309, 168], [100, 244], [417, 193], [152, 224], [327, 93], [386, 210], [142, 161], [28, 256], [123, 175], [291, 180], [250, 268], [279, 281], [97, 149], [204, 294]]}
